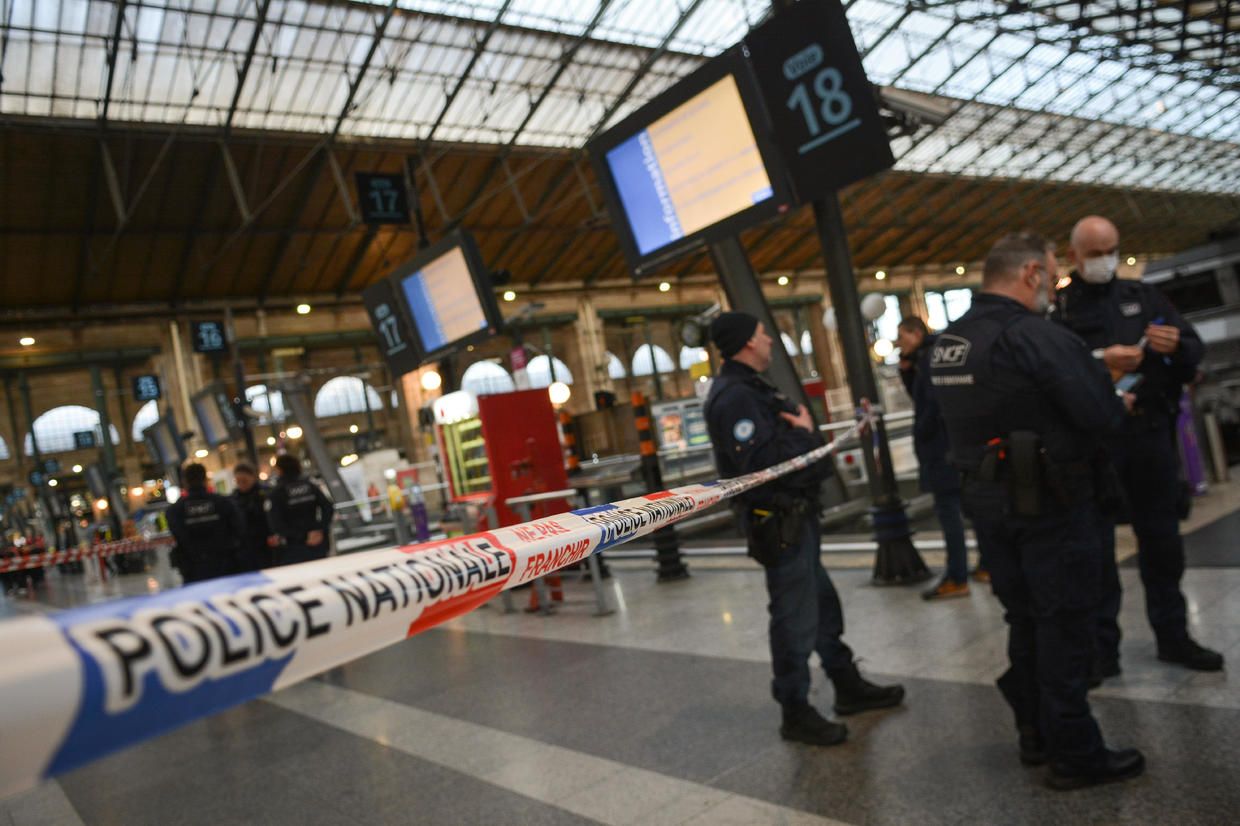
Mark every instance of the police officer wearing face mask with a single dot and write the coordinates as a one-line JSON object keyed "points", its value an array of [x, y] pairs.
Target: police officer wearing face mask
{"points": [[1135, 331], [299, 513], [754, 426], [207, 528], [1024, 404]]}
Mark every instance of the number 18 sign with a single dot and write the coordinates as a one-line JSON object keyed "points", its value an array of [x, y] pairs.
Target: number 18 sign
{"points": [[820, 102]]}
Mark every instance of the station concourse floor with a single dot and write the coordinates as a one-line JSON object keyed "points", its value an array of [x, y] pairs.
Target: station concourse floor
{"points": [[660, 714]]}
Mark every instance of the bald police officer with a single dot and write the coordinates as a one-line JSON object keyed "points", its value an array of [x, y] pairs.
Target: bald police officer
{"points": [[1025, 404], [207, 528], [1133, 329], [754, 426]]}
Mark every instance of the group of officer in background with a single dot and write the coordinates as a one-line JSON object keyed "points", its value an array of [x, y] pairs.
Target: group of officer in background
{"points": [[256, 527], [1047, 415]]}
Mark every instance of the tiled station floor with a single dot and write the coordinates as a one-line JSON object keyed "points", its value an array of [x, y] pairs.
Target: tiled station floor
{"points": [[660, 714]]}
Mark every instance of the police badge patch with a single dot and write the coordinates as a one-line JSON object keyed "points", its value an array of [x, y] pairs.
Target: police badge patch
{"points": [[743, 430], [1130, 309]]}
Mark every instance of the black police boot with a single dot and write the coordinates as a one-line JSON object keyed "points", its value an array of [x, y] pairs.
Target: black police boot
{"points": [[1115, 766], [1032, 746], [854, 693], [803, 724], [1188, 653], [1103, 668]]}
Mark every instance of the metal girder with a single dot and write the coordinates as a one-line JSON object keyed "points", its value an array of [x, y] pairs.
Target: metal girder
{"points": [[260, 19], [113, 51], [346, 200], [479, 50], [355, 260], [234, 181]]}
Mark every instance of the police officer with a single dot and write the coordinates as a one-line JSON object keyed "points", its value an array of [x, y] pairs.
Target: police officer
{"points": [[935, 474], [1024, 404], [1133, 329], [251, 500], [753, 426], [299, 513], [207, 528]]}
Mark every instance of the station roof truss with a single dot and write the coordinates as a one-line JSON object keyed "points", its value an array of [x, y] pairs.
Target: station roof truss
{"points": [[220, 135]]}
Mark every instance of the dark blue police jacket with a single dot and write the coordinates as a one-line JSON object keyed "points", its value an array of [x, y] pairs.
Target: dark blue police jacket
{"points": [[1118, 312], [747, 433], [935, 473]]}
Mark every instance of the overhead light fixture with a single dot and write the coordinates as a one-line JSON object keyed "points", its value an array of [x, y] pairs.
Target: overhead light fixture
{"points": [[509, 295], [303, 309], [960, 270], [101, 504], [880, 275], [26, 341], [51, 483], [783, 281], [348, 459], [201, 453], [137, 490], [1132, 262], [77, 468], [352, 428], [431, 380], [559, 392], [271, 440], [294, 432], [664, 286], [883, 348]]}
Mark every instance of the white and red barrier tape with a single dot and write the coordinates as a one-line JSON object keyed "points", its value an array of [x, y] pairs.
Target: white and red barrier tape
{"points": [[88, 681], [21, 561]]}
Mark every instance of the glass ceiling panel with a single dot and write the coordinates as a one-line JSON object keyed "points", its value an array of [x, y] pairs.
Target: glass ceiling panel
{"points": [[476, 71]]}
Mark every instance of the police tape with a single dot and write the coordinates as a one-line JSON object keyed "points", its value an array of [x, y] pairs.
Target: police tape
{"points": [[82, 683], [26, 561]]}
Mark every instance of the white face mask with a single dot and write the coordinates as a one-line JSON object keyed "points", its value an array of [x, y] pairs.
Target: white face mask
{"points": [[1100, 270]]}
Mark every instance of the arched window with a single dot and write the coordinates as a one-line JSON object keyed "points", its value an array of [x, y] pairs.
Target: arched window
{"points": [[4, 450], [539, 371], [343, 395], [148, 414], [789, 344], [56, 427], [690, 356], [615, 368], [267, 403], [649, 356], [807, 342], [485, 378]]}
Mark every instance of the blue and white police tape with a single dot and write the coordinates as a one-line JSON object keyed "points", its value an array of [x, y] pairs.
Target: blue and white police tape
{"points": [[82, 683], [46, 559]]}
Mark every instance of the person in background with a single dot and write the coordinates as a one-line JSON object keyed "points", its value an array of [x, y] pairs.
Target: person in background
{"points": [[207, 527], [754, 426], [1137, 334], [935, 474], [1025, 406], [299, 513], [251, 500]]}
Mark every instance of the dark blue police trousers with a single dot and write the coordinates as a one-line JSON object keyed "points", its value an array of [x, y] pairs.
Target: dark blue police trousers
{"points": [[1046, 571], [1148, 468], [805, 617]]}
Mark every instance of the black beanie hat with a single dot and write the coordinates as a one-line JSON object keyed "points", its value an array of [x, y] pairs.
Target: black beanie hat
{"points": [[731, 331]]}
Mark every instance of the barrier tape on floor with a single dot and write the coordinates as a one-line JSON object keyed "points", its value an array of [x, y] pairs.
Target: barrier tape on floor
{"points": [[24, 561], [84, 682]]}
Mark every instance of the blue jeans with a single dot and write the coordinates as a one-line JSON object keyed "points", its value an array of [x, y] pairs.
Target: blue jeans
{"points": [[805, 617], [947, 508]]}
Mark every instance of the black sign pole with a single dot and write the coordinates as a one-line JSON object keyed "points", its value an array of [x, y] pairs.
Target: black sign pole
{"points": [[745, 293], [116, 505], [251, 449]]}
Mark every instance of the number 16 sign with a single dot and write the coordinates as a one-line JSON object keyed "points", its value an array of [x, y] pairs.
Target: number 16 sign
{"points": [[821, 104]]}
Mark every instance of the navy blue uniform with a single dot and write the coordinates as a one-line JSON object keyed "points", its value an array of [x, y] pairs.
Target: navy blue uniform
{"points": [[935, 473], [255, 553], [998, 371], [208, 529], [742, 415], [1144, 451], [294, 509]]}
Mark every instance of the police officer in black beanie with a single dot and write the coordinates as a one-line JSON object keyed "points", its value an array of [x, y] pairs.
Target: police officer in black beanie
{"points": [[754, 426]]}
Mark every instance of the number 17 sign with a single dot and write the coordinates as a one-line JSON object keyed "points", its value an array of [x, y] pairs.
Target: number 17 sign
{"points": [[821, 104]]}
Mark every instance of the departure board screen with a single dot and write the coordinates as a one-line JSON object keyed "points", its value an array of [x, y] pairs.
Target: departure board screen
{"points": [[691, 168], [443, 301]]}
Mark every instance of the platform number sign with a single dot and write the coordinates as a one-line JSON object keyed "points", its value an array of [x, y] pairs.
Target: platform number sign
{"points": [[84, 439], [208, 336], [146, 388], [821, 104], [395, 341], [382, 198]]}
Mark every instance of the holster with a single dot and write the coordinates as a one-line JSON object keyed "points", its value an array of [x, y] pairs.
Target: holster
{"points": [[771, 529], [1025, 473]]}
